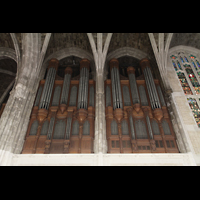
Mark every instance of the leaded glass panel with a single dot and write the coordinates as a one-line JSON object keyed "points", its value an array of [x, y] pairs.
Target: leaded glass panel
{"points": [[184, 83], [195, 109], [192, 78]]}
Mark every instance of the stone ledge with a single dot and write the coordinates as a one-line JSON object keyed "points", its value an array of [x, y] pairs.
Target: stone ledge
{"points": [[184, 159]]}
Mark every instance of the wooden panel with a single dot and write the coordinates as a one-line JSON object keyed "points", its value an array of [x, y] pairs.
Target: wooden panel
{"points": [[57, 146], [86, 145], [74, 145], [41, 144], [29, 144]]}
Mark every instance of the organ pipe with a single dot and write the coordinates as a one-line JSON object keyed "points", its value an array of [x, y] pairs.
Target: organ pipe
{"points": [[48, 86], [133, 85], [66, 85], [116, 86], [153, 95], [83, 84]]}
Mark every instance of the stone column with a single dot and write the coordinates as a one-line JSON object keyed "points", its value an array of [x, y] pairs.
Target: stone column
{"points": [[100, 142], [15, 118]]}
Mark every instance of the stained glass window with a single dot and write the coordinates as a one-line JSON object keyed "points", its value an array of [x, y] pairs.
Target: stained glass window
{"points": [[192, 78], [179, 65], [186, 59], [184, 83], [189, 79], [198, 63], [174, 65], [191, 56], [173, 57], [194, 65], [195, 109], [182, 59]]}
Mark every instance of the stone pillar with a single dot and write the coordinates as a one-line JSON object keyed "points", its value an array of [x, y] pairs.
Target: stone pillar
{"points": [[100, 142], [15, 118]]}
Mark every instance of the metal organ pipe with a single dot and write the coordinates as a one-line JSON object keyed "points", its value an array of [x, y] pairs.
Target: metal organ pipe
{"points": [[66, 85], [116, 86], [48, 86], [133, 85], [155, 103], [83, 84]]}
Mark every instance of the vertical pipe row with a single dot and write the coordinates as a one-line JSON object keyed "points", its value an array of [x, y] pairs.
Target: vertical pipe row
{"points": [[83, 84], [43, 99], [134, 91], [79, 91], [154, 88], [149, 90], [48, 86], [119, 88], [65, 91], [113, 90], [87, 83], [154, 99], [48, 98], [116, 86]]}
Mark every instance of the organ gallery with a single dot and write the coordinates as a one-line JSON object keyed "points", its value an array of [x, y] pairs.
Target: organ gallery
{"points": [[63, 115]]}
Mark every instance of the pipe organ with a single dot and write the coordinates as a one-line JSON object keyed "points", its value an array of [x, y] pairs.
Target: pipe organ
{"points": [[62, 118], [137, 120]]}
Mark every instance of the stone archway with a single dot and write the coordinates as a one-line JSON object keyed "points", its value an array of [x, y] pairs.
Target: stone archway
{"points": [[66, 52]]}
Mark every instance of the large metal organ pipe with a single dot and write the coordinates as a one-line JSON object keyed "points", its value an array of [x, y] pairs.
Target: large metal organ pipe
{"points": [[48, 86], [153, 95], [133, 85], [65, 89], [83, 84], [116, 86]]}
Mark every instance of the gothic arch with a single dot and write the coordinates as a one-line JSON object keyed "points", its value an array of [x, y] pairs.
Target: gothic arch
{"points": [[124, 51], [71, 51], [7, 53]]}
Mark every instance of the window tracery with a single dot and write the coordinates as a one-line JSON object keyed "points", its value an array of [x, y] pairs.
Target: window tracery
{"points": [[187, 67]]}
